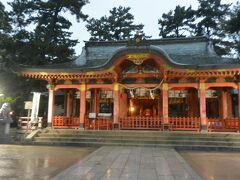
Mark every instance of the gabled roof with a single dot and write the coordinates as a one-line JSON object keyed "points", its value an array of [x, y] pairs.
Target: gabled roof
{"points": [[194, 52]]}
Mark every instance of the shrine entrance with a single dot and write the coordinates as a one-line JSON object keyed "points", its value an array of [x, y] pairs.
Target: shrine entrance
{"points": [[143, 102], [143, 110]]}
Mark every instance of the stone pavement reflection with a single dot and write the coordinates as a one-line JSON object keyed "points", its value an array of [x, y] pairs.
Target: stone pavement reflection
{"points": [[214, 165], [130, 163], [37, 162]]}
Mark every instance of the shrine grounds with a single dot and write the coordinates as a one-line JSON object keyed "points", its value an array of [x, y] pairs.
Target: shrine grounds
{"points": [[115, 162]]}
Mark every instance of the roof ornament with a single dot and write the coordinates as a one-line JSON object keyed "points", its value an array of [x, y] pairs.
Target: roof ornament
{"points": [[137, 40]]}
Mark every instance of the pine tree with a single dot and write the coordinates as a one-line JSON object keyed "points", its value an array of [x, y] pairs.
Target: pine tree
{"points": [[177, 23], [232, 28], [211, 14], [50, 40], [117, 26], [5, 39]]}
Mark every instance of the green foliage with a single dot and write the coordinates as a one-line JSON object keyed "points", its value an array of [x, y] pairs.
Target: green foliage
{"points": [[211, 19], [49, 42], [177, 23], [7, 100], [118, 25], [211, 14], [232, 27]]}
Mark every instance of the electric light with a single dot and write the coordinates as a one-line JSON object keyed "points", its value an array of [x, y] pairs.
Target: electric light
{"points": [[132, 108]]}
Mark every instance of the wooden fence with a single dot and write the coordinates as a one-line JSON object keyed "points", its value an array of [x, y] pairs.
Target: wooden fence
{"points": [[227, 124], [65, 122], [140, 122], [98, 124], [185, 123]]}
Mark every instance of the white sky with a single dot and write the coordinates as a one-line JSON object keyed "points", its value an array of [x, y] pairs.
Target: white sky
{"points": [[146, 12]]}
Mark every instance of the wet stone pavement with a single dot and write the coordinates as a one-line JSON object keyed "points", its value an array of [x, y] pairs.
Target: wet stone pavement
{"points": [[37, 162], [130, 163], [115, 163]]}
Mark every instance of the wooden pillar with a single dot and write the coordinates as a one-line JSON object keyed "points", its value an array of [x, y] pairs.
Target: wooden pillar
{"points": [[50, 105], [82, 104], [229, 105], [165, 103], [69, 104], [96, 101], [202, 104], [116, 105], [238, 99], [224, 104], [124, 106]]}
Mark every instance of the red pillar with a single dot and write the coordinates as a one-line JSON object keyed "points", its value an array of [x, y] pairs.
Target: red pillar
{"points": [[165, 103], [224, 104], [238, 99], [50, 104], [82, 104], [229, 105], [116, 105], [202, 103], [69, 104], [95, 104]]}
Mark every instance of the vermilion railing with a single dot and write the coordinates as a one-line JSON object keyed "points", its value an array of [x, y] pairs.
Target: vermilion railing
{"points": [[140, 122], [98, 124], [185, 123], [227, 124], [65, 122]]}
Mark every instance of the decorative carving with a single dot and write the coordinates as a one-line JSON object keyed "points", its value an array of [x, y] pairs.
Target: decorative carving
{"points": [[138, 58], [165, 86], [83, 87], [116, 86], [202, 86]]}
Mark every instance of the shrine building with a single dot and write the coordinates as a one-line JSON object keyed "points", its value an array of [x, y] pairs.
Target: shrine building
{"points": [[156, 84]]}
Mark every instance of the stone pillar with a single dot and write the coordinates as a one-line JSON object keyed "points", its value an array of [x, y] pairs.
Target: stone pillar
{"points": [[202, 104], [116, 105], [165, 103], [50, 104], [82, 104]]}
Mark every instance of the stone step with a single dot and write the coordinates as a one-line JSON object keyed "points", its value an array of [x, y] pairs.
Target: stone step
{"points": [[176, 146], [183, 140], [132, 131], [160, 136], [139, 141], [141, 133]]}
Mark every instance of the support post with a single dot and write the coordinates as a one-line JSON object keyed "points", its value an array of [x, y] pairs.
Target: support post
{"points": [[165, 103], [238, 99], [116, 106], [202, 104], [82, 104], [224, 104], [69, 104], [50, 104]]}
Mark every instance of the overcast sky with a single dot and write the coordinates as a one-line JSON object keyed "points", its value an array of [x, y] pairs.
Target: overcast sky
{"points": [[146, 12]]}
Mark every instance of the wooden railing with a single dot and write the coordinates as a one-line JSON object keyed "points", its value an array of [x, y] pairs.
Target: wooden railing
{"points": [[65, 122], [185, 123], [24, 123], [98, 124], [227, 124], [140, 122]]}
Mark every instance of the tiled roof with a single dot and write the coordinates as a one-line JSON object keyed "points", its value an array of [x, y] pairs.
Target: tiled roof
{"points": [[195, 52]]}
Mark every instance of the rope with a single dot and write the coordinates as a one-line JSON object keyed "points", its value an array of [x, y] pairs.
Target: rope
{"points": [[150, 89]]}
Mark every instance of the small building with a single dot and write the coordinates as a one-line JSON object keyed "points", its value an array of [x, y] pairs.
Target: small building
{"points": [[177, 83]]}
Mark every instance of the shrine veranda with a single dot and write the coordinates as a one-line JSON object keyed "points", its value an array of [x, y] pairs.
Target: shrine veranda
{"points": [[158, 84]]}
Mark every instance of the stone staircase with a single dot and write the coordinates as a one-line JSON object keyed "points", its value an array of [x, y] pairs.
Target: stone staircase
{"points": [[177, 140]]}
